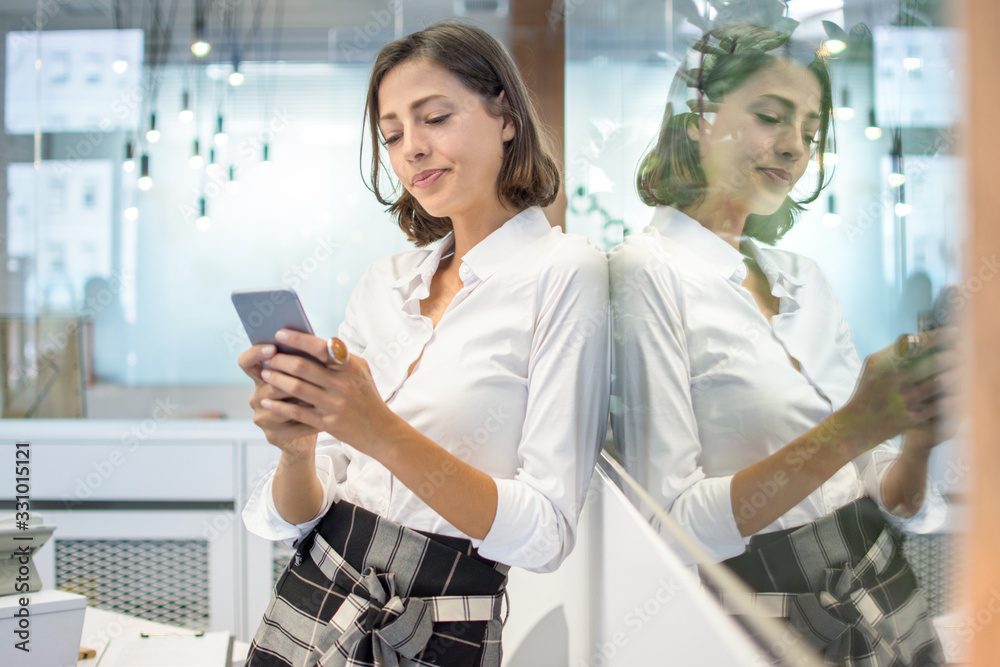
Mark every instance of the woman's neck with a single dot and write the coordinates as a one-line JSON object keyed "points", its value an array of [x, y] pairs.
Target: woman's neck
{"points": [[469, 230], [721, 217]]}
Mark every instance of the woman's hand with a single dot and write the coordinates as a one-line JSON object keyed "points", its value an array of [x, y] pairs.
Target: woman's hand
{"points": [[293, 438], [339, 398], [899, 393]]}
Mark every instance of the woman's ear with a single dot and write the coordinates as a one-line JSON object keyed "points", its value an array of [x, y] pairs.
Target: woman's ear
{"points": [[696, 129], [508, 131]]}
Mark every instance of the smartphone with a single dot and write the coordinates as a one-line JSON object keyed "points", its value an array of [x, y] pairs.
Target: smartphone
{"points": [[263, 312]]}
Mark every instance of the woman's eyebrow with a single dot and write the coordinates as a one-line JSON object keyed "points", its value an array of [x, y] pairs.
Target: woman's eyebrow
{"points": [[413, 107], [784, 101]]}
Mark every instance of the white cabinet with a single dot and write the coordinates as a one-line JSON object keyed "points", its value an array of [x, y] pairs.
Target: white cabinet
{"points": [[149, 522]]}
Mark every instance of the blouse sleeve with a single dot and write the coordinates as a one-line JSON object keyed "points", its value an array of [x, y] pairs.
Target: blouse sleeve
{"points": [[566, 415], [652, 415], [332, 457]]}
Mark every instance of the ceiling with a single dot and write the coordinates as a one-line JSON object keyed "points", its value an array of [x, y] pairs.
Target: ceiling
{"points": [[353, 30]]}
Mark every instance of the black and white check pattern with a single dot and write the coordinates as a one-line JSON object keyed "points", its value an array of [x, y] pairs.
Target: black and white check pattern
{"points": [[842, 581], [363, 591]]}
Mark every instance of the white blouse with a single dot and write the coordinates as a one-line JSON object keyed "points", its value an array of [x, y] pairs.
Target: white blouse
{"points": [[514, 381], [703, 384]]}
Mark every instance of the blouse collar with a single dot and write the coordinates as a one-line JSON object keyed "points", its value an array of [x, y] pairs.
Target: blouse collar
{"points": [[485, 257]]}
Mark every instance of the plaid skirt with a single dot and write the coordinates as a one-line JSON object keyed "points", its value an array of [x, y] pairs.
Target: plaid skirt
{"points": [[362, 591], [842, 581]]}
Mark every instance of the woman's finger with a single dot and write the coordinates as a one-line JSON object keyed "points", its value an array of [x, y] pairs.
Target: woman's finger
{"points": [[308, 343], [251, 358], [300, 388], [294, 412]]}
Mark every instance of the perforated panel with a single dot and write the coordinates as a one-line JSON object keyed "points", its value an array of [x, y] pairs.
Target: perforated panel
{"points": [[934, 561], [158, 580], [280, 555]]}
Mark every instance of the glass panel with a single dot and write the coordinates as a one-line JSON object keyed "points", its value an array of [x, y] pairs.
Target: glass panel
{"points": [[882, 242]]}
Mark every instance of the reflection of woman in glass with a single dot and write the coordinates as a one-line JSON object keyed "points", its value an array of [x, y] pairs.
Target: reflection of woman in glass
{"points": [[459, 428], [738, 398]]}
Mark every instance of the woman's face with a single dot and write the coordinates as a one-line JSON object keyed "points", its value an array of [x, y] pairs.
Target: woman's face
{"points": [[445, 147], [757, 147]]}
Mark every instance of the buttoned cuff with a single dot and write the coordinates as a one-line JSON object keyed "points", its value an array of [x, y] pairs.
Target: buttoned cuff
{"points": [[526, 531], [705, 510]]}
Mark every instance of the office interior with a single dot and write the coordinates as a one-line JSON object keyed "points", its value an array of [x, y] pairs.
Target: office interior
{"points": [[158, 154]]}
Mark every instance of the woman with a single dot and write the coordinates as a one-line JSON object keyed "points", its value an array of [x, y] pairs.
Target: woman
{"points": [[741, 403], [459, 428]]}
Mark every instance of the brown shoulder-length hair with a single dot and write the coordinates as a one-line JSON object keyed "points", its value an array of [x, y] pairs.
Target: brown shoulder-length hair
{"points": [[671, 173], [529, 175]]}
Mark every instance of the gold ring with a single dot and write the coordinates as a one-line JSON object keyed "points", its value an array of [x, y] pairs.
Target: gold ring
{"points": [[907, 347], [336, 351]]}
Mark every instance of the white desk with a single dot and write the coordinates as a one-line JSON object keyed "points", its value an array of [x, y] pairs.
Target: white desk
{"points": [[100, 627]]}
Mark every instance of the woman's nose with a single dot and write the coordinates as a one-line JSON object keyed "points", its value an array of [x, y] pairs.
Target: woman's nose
{"points": [[790, 143], [414, 145]]}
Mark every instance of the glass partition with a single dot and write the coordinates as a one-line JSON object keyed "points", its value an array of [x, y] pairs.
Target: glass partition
{"points": [[884, 237], [147, 181]]}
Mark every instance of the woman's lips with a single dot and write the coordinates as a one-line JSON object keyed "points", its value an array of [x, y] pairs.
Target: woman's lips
{"points": [[778, 176], [427, 178]]}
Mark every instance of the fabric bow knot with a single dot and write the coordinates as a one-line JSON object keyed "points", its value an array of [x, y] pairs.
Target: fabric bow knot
{"points": [[841, 616], [373, 613]]}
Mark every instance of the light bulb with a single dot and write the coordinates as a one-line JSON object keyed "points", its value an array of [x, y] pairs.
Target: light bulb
{"points": [[873, 132], [835, 46], [201, 48], [153, 135], [236, 78], [831, 220], [845, 113], [119, 66], [144, 182], [203, 223], [186, 115], [232, 186], [220, 134], [903, 209], [196, 160], [131, 213], [129, 164], [895, 180]]}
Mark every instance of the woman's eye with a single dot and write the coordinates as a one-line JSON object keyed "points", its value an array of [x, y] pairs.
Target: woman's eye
{"points": [[389, 141], [770, 120], [437, 120]]}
